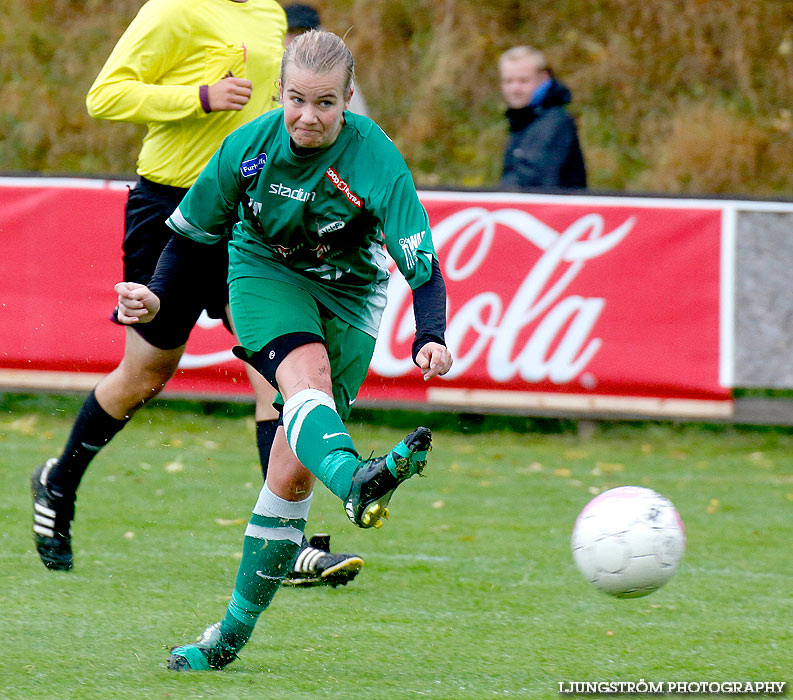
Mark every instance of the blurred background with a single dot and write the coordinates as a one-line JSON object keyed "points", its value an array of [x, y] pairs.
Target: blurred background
{"points": [[671, 96]]}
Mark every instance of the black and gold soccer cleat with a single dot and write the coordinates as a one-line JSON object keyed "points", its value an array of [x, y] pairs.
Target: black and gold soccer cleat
{"points": [[376, 479]]}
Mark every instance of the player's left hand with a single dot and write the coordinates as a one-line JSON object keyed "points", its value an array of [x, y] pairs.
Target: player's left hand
{"points": [[136, 303], [434, 359]]}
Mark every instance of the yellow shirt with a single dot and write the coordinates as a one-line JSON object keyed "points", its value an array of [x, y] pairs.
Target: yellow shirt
{"points": [[169, 50]]}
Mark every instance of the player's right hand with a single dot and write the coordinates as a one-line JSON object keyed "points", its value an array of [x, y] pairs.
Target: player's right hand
{"points": [[229, 94], [136, 303]]}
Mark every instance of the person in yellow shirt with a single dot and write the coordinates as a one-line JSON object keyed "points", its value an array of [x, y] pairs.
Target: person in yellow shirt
{"points": [[192, 71]]}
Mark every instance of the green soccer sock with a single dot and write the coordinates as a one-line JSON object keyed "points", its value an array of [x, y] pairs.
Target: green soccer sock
{"points": [[320, 441], [272, 541]]}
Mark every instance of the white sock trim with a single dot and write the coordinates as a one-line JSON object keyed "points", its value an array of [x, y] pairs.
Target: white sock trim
{"points": [[290, 405], [270, 505], [275, 533], [298, 407]]}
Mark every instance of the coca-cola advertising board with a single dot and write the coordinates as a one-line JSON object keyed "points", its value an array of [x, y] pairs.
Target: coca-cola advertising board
{"points": [[558, 301]]}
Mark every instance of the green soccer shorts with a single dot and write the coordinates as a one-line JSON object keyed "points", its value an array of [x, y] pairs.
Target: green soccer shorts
{"points": [[266, 310]]}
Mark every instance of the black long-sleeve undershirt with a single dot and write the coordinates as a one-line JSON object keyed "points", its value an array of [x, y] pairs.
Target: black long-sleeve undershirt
{"points": [[184, 262], [429, 310]]}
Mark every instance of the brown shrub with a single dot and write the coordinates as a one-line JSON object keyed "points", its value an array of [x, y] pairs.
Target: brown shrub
{"points": [[713, 149], [671, 95]]}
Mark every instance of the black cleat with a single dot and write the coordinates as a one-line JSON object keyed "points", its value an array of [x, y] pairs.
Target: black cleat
{"points": [[316, 565], [52, 521], [376, 479], [209, 652]]}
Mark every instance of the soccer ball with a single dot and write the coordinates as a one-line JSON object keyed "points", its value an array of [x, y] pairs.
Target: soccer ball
{"points": [[628, 541]]}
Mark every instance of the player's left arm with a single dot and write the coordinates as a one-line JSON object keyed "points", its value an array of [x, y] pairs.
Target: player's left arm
{"points": [[409, 242], [429, 309]]}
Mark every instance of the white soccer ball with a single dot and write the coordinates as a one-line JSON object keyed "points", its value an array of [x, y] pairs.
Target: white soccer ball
{"points": [[628, 541]]}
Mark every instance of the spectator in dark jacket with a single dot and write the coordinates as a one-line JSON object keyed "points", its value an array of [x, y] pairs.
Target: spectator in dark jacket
{"points": [[543, 148]]}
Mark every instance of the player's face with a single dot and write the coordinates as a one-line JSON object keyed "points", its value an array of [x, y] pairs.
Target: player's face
{"points": [[519, 79], [314, 104]]}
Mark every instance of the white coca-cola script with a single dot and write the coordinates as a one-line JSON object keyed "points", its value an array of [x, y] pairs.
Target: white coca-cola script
{"points": [[556, 330]]}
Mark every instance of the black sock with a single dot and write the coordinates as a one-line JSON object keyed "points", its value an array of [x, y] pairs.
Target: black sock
{"points": [[92, 430], [265, 434]]}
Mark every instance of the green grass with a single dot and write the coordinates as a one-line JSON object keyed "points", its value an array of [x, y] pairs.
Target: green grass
{"points": [[468, 592]]}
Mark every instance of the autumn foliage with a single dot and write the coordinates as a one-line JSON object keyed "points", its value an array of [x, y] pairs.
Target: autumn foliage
{"points": [[674, 96]]}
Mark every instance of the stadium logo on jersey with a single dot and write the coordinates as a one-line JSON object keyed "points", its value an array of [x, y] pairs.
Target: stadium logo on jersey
{"points": [[410, 246], [291, 193], [253, 165], [344, 187], [330, 228]]}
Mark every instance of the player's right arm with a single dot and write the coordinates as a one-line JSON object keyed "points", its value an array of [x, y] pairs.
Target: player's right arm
{"points": [[210, 207], [180, 271], [202, 220]]}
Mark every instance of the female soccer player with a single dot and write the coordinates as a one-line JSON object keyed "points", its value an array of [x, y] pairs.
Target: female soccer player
{"points": [[308, 195]]}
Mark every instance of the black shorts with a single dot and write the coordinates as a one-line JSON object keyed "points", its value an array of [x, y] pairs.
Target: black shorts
{"points": [[145, 234]]}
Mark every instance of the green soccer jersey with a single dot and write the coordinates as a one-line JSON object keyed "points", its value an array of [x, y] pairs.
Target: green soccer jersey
{"points": [[318, 220]]}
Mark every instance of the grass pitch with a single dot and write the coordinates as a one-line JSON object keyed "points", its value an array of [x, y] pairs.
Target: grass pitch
{"points": [[469, 591]]}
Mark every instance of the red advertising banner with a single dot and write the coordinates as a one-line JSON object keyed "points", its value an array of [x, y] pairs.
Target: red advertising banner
{"points": [[576, 303]]}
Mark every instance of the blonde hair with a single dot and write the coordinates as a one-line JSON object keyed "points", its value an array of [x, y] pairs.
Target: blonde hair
{"points": [[319, 52], [520, 52]]}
